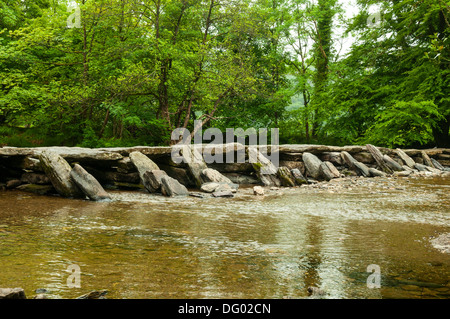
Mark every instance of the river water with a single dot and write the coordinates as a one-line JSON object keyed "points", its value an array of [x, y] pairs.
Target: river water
{"points": [[276, 246]]}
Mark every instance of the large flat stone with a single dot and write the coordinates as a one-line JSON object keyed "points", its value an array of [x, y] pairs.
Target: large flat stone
{"points": [[298, 177], [393, 165], [152, 180], [171, 187], [142, 163], [286, 177], [405, 157], [312, 164], [212, 175], [329, 171], [58, 171], [266, 171], [353, 164], [88, 184]]}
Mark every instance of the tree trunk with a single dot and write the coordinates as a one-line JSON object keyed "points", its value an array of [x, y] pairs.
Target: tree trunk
{"points": [[322, 54], [440, 133]]}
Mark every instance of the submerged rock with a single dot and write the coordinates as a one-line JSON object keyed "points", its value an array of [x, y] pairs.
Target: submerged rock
{"points": [[41, 291], [88, 184], [223, 194], [209, 187], [217, 187], [37, 189], [402, 173], [224, 187], [94, 295], [316, 292], [442, 243], [258, 191], [211, 176], [198, 195]]}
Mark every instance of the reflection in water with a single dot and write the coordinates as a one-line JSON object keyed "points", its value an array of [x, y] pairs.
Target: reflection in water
{"points": [[313, 260], [149, 246]]}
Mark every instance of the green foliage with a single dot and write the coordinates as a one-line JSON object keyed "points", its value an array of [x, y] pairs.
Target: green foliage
{"points": [[393, 87], [404, 124], [136, 70]]}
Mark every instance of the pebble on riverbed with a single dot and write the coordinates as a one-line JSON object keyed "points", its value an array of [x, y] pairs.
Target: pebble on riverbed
{"points": [[258, 191], [315, 292], [442, 243]]}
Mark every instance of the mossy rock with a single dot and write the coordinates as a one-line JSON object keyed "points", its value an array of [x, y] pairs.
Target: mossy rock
{"points": [[285, 176]]}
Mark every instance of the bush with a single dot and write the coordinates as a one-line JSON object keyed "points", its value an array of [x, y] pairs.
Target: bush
{"points": [[404, 124]]}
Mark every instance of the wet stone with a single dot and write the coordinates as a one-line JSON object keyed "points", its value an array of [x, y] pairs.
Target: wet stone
{"points": [[88, 184], [13, 184], [58, 171], [226, 194], [171, 187], [298, 177], [12, 293], [286, 177], [152, 180], [258, 191], [312, 164]]}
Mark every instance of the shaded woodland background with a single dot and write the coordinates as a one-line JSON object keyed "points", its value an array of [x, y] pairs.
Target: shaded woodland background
{"points": [[136, 70]]}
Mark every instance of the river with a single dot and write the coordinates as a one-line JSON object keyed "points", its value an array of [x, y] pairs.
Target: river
{"points": [[276, 246]]}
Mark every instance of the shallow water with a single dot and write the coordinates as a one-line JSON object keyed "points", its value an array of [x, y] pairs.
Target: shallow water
{"points": [[149, 246]]}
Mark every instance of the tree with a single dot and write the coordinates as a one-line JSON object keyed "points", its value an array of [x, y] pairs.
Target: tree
{"points": [[401, 65], [137, 68], [324, 12]]}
